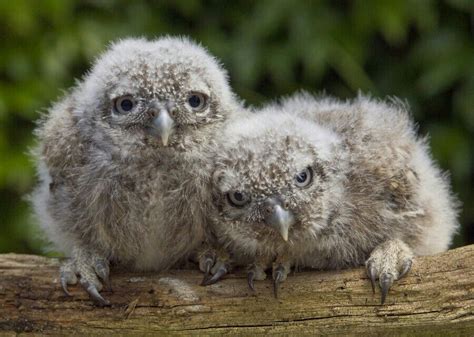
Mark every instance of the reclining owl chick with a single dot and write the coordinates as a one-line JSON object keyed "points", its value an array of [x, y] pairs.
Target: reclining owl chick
{"points": [[324, 184]]}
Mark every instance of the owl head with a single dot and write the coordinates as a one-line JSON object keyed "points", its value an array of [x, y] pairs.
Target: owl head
{"points": [[154, 92], [276, 175]]}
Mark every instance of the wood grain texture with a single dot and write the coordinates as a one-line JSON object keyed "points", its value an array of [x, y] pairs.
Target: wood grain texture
{"points": [[435, 299]]}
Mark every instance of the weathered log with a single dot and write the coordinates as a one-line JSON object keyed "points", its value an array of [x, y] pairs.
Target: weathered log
{"points": [[435, 299]]}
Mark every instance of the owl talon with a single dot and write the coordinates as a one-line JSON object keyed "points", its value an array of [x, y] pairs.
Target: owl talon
{"points": [[386, 282], [281, 269], [64, 285], [405, 268], [372, 273], [208, 265], [250, 280], [67, 276], [94, 294], [206, 279], [101, 268], [277, 279], [215, 264], [388, 262], [216, 277], [89, 267], [207, 258], [255, 271]]}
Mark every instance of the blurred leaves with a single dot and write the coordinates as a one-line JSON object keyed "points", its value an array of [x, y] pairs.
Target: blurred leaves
{"points": [[419, 50]]}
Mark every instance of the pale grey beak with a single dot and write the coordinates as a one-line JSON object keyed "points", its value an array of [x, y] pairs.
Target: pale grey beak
{"points": [[163, 125], [279, 218]]}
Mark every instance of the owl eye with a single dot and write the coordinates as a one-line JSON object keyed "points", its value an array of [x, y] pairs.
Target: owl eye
{"points": [[123, 105], [197, 101], [238, 198], [304, 178]]}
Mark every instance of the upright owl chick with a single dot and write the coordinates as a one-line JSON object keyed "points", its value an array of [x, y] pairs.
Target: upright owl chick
{"points": [[327, 184], [122, 156]]}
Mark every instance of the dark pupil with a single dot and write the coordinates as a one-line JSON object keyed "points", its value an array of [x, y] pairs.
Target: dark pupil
{"points": [[126, 105], [194, 101], [238, 196], [301, 178]]}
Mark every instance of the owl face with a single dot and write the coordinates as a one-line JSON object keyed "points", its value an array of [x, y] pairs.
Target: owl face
{"points": [[156, 91], [273, 185]]}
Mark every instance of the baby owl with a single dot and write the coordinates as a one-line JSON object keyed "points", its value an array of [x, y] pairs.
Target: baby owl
{"points": [[123, 154], [325, 184]]}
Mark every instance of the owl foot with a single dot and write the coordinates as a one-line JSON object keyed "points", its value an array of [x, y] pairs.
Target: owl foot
{"points": [[280, 272], [215, 264], [219, 270], [255, 272], [388, 262], [89, 267], [207, 259]]}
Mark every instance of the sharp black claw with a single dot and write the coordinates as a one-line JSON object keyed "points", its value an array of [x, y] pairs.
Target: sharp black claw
{"points": [[216, 277], [277, 280], [250, 279], [207, 273], [405, 268], [97, 298], [94, 295], [209, 263], [386, 282], [371, 272], [64, 285]]}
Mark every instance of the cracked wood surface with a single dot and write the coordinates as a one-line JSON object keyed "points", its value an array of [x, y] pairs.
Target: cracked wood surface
{"points": [[435, 299]]}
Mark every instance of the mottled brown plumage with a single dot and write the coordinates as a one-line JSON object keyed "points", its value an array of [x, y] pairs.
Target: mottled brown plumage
{"points": [[373, 196], [122, 158]]}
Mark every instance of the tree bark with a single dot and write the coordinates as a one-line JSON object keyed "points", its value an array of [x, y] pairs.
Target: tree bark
{"points": [[436, 298]]}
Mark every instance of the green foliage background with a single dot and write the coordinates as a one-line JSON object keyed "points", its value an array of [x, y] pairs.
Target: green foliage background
{"points": [[419, 50]]}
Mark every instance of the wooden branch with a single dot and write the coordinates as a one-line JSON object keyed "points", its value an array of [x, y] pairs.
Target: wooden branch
{"points": [[436, 298]]}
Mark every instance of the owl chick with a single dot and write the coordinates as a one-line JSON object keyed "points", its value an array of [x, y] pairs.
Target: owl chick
{"points": [[121, 156], [325, 184]]}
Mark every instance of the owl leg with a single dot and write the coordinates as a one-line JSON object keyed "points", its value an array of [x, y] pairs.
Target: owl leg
{"points": [[256, 271], [388, 262], [89, 267], [215, 263], [279, 273]]}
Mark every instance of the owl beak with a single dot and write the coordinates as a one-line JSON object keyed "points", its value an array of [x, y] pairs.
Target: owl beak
{"points": [[279, 218], [162, 126]]}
